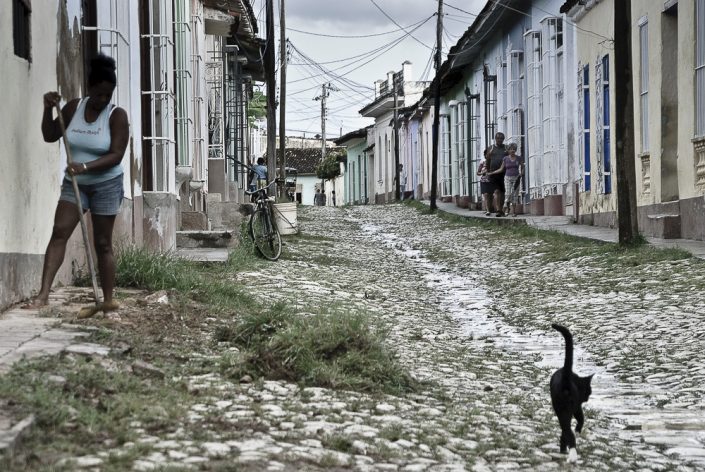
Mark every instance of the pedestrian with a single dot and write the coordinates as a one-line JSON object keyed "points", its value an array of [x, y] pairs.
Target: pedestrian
{"points": [[252, 176], [402, 181], [495, 171], [513, 166], [485, 184], [332, 196], [97, 134], [260, 171]]}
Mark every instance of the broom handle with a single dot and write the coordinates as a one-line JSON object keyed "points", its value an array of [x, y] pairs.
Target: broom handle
{"points": [[84, 228]]}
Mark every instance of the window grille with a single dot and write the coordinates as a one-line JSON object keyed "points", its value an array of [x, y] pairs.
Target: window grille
{"points": [[182, 80], [474, 142], [700, 68], [160, 96], [584, 115], [552, 104], [214, 82], [644, 84], [21, 33], [534, 83], [515, 109], [462, 147], [606, 124], [198, 96], [490, 84], [446, 174], [502, 106]]}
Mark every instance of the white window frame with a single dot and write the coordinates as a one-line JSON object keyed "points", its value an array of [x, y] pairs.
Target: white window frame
{"points": [[183, 110]]}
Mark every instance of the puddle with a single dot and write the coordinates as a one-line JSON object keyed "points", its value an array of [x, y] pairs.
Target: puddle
{"points": [[679, 431]]}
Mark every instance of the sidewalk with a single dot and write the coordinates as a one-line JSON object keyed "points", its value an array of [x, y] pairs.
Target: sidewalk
{"points": [[565, 225], [34, 333]]}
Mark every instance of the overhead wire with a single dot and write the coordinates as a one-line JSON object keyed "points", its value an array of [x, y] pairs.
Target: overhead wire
{"points": [[394, 21], [498, 2], [371, 35]]}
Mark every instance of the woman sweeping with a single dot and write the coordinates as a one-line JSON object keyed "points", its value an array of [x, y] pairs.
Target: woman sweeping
{"points": [[97, 135]]}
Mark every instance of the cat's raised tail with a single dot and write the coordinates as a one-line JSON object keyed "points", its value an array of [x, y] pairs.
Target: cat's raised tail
{"points": [[568, 366]]}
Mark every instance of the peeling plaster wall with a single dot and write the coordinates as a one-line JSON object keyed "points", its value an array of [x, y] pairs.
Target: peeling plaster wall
{"points": [[31, 176]]}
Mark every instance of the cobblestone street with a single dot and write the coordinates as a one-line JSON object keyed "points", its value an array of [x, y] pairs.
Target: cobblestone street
{"points": [[468, 312], [472, 314]]}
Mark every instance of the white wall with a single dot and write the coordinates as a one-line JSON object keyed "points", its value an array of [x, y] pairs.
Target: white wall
{"points": [[32, 169]]}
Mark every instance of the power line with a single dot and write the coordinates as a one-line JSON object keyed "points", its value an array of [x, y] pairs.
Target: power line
{"points": [[497, 2], [371, 35], [461, 10], [393, 21]]}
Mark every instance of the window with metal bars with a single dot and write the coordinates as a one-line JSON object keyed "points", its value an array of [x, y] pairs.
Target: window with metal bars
{"points": [[21, 34], [446, 170], [515, 111], [586, 126], [606, 123], [474, 142], [534, 119], [490, 85], [644, 84], [700, 68]]}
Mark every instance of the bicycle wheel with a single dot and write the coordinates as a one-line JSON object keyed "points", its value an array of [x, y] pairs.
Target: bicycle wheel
{"points": [[265, 235]]}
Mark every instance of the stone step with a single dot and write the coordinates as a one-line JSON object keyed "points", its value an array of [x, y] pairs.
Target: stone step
{"points": [[206, 239], [664, 225]]}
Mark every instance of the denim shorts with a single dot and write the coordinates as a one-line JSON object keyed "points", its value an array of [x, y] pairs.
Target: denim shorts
{"points": [[103, 198]]}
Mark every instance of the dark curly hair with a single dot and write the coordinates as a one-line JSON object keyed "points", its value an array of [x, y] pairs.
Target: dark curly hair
{"points": [[102, 69]]}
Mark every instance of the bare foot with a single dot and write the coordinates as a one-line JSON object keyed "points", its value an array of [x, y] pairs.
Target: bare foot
{"points": [[35, 304]]}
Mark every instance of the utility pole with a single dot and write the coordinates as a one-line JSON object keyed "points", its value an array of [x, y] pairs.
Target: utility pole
{"points": [[322, 98], [397, 186], [324, 95], [282, 98], [325, 92], [624, 132], [271, 92], [436, 105]]}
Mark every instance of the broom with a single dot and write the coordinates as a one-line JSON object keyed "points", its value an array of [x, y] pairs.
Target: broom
{"points": [[87, 311]]}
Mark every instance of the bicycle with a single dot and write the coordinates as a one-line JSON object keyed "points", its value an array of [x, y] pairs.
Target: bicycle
{"points": [[263, 230]]}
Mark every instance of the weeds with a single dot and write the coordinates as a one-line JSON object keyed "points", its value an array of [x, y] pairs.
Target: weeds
{"points": [[335, 349]]}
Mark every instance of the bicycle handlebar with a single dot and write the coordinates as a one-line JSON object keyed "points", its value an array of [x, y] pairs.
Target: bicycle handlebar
{"points": [[277, 180]]}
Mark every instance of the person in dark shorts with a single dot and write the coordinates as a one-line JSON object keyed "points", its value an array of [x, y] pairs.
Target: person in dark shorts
{"points": [[97, 134], [496, 173]]}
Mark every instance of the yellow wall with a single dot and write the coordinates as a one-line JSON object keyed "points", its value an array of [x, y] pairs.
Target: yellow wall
{"points": [[599, 19]]}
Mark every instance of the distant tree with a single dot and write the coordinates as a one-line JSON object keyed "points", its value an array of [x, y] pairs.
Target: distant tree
{"points": [[330, 167], [257, 108]]}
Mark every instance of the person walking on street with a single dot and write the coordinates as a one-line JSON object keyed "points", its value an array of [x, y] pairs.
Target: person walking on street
{"points": [[260, 171], [496, 172], [402, 182], [485, 184], [513, 169], [97, 135]]}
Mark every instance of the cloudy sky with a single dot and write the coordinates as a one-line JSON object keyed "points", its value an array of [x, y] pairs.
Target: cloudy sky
{"points": [[352, 43]]}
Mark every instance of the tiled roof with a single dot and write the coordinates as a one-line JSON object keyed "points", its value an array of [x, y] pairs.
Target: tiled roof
{"points": [[304, 160]]}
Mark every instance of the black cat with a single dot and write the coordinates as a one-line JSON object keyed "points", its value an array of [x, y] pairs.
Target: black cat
{"points": [[568, 393]]}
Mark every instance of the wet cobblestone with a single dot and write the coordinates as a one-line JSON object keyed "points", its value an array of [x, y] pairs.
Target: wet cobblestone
{"points": [[468, 311]]}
